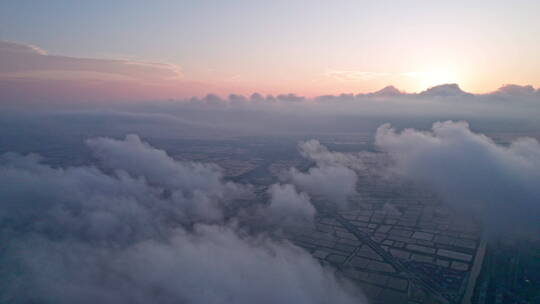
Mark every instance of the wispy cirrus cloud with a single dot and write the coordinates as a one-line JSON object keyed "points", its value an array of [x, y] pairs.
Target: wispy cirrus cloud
{"points": [[29, 73], [28, 61]]}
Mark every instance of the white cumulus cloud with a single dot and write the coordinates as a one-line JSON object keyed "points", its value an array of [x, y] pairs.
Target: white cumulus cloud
{"points": [[471, 171]]}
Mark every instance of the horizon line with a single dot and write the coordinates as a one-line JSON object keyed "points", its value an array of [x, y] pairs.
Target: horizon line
{"points": [[387, 91]]}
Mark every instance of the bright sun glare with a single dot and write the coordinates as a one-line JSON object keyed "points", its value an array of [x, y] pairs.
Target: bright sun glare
{"points": [[437, 77]]}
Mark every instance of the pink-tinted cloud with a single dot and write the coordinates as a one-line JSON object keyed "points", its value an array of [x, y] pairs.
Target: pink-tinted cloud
{"points": [[21, 60], [28, 73]]}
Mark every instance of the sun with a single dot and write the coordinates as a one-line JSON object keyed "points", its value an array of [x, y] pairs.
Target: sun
{"points": [[433, 77], [437, 77]]}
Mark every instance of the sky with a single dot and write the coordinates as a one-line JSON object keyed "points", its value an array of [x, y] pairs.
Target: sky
{"points": [[125, 50]]}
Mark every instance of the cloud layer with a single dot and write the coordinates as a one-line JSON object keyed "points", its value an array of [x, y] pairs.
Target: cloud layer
{"points": [[332, 176], [143, 233], [197, 189], [288, 207], [500, 183]]}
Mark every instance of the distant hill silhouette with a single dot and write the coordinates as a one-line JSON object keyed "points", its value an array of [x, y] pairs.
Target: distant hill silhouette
{"points": [[445, 90], [387, 91]]}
